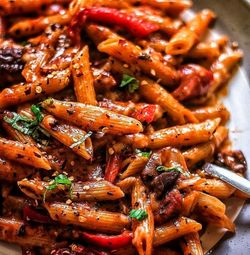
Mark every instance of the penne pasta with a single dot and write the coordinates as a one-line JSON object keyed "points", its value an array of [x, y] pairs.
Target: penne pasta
{"points": [[16, 231], [216, 188], [11, 171], [83, 78], [152, 66], [127, 184], [188, 36], [212, 210], [134, 110], [212, 112], [191, 244], [45, 49], [189, 202], [73, 137], [22, 93], [89, 218], [25, 6], [143, 231], [172, 7], [35, 26], [103, 80], [99, 190], [208, 50], [79, 191], [222, 68], [159, 95], [137, 140], [99, 33], [23, 153], [184, 135], [16, 135], [107, 115], [154, 93], [92, 117], [213, 204], [206, 150], [135, 166], [175, 229]]}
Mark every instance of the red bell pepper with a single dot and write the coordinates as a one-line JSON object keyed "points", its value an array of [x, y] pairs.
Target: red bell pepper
{"points": [[31, 214], [195, 81], [137, 27], [113, 167], [145, 114], [109, 242]]}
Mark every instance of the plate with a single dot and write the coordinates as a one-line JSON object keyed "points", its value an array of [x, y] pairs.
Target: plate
{"points": [[234, 21]]}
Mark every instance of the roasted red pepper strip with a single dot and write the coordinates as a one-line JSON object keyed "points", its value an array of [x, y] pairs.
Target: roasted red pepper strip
{"points": [[113, 167], [146, 114], [109, 242], [195, 81], [31, 214], [134, 25]]}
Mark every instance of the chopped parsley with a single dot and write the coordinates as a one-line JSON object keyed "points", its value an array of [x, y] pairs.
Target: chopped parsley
{"points": [[37, 112], [60, 179], [176, 168], [83, 139], [29, 126], [138, 214], [142, 153], [26, 123], [131, 82]]}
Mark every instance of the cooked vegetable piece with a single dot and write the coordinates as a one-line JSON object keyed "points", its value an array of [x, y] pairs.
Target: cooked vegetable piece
{"points": [[134, 25]]}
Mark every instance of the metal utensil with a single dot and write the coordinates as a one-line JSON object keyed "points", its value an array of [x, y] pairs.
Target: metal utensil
{"points": [[230, 177]]}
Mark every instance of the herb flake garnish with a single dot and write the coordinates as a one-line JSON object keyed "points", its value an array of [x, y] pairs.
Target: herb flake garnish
{"points": [[37, 112], [138, 214], [82, 140], [60, 179], [29, 126], [176, 168], [142, 153], [131, 82]]}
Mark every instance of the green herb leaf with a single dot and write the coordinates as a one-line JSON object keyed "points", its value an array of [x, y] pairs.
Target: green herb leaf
{"points": [[62, 179], [131, 82], [52, 186], [83, 139], [25, 123], [169, 169], [132, 87], [29, 126], [142, 153], [172, 169], [138, 214], [37, 112]]}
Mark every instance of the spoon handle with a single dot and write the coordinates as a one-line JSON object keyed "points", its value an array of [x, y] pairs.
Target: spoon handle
{"points": [[230, 177]]}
